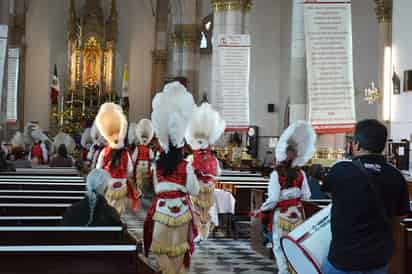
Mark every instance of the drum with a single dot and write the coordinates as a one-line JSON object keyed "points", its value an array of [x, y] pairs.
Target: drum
{"points": [[307, 246]]}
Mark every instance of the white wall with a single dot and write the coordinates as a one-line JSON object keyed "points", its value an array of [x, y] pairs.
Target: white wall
{"points": [[46, 46], [38, 51], [270, 29], [401, 114], [365, 35]]}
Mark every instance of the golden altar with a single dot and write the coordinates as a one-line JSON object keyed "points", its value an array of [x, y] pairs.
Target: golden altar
{"points": [[91, 57]]}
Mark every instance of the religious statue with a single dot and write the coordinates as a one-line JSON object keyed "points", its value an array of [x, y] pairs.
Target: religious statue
{"points": [[91, 44]]}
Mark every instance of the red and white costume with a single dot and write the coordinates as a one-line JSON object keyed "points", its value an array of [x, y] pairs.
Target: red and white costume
{"points": [[38, 151], [205, 128], [117, 193], [169, 228], [112, 125], [172, 212], [142, 156], [285, 203]]}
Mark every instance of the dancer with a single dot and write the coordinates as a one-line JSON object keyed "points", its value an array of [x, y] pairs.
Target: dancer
{"points": [[98, 145], [288, 184], [114, 158], [142, 157], [169, 228], [36, 140], [205, 128]]}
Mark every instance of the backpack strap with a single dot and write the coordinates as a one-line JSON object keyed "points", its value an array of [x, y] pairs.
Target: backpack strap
{"points": [[376, 193]]}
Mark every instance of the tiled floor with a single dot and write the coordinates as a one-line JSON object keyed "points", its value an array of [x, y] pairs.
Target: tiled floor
{"points": [[229, 256], [216, 256]]}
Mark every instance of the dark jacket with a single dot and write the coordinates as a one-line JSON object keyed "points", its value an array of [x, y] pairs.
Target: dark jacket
{"points": [[104, 214], [316, 192], [363, 203]]}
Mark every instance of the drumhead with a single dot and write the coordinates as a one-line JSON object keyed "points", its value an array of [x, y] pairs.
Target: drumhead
{"points": [[298, 257]]}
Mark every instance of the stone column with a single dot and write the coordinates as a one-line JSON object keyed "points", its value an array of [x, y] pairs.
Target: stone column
{"points": [[229, 17], [297, 78], [384, 15], [159, 54], [184, 44]]}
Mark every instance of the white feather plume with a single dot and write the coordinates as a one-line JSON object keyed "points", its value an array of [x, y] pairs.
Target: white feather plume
{"points": [[28, 139], [131, 135], [206, 122], [65, 139], [112, 124], [17, 140], [302, 137], [172, 109], [144, 129]]}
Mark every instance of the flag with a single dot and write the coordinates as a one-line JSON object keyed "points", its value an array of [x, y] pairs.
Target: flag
{"points": [[125, 83], [55, 87]]}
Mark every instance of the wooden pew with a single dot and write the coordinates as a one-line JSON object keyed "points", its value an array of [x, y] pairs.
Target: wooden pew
{"points": [[67, 186], [18, 199], [31, 209], [30, 220], [50, 179], [43, 171], [69, 250]]}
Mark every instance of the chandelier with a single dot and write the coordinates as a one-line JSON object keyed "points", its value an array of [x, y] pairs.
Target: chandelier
{"points": [[372, 94]]}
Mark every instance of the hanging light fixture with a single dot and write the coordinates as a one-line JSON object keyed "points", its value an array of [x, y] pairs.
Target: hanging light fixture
{"points": [[372, 94]]}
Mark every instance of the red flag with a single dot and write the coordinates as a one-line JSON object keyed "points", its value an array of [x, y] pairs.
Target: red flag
{"points": [[55, 87]]}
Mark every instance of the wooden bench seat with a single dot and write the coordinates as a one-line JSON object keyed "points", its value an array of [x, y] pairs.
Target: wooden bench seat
{"points": [[17, 192], [5, 199], [69, 250], [30, 220], [35, 209], [43, 179], [67, 186], [43, 171]]}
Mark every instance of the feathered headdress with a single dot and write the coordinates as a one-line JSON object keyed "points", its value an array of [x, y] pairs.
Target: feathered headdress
{"points": [[205, 123], [65, 139], [131, 136], [144, 130], [301, 137], [33, 133], [172, 109], [112, 124], [17, 140]]}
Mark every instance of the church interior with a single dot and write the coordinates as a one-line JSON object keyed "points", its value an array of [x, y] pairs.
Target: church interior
{"points": [[166, 136]]}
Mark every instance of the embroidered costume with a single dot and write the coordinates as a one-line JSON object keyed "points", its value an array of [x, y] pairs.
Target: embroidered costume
{"points": [[142, 156], [205, 128], [169, 228], [114, 158], [288, 185]]}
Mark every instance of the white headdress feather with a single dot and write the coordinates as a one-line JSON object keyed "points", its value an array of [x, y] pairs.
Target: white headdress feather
{"points": [[131, 135], [302, 137], [207, 122], [172, 109], [112, 124], [17, 140], [144, 128], [65, 139]]}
